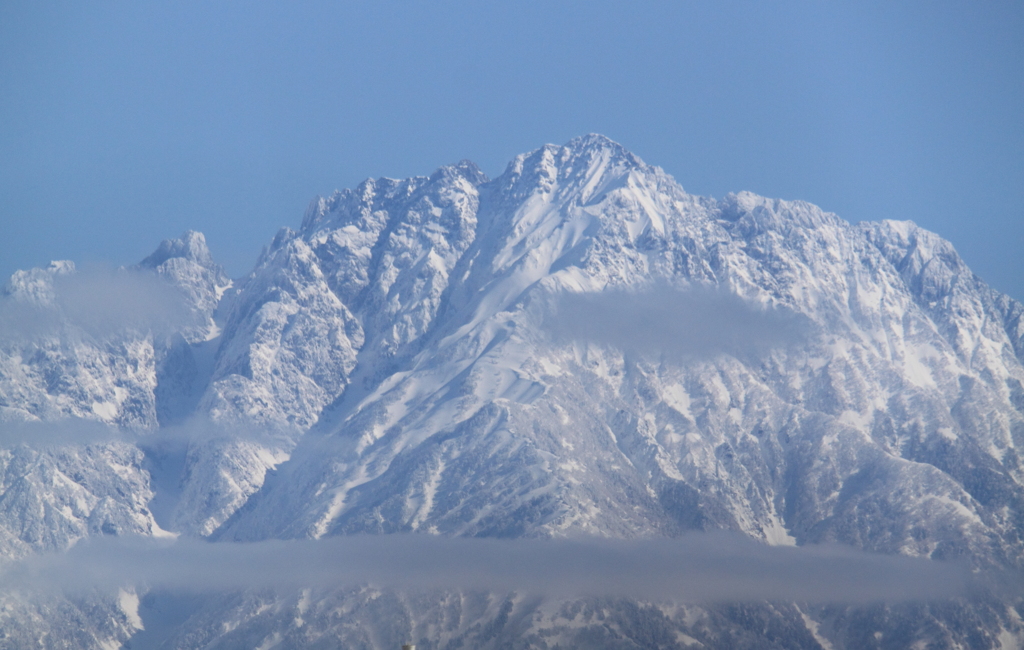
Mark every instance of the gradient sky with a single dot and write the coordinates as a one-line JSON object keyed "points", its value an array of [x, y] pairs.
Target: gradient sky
{"points": [[124, 123]]}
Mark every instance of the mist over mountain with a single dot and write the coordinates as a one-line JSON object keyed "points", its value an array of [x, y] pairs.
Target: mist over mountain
{"points": [[573, 357]]}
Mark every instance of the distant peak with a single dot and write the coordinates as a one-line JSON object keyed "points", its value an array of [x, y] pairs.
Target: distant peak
{"points": [[36, 284], [464, 168], [191, 246], [593, 141], [737, 204], [587, 163], [584, 146]]}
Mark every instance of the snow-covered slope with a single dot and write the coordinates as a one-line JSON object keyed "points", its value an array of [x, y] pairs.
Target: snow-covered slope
{"points": [[808, 380], [556, 437]]}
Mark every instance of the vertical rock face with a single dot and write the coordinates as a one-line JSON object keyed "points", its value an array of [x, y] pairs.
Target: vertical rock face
{"points": [[479, 357], [183, 366]]}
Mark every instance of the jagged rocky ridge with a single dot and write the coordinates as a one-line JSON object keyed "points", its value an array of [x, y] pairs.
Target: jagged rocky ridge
{"points": [[403, 325]]}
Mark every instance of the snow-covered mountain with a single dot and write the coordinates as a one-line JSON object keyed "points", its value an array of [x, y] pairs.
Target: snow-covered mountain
{"points": [[575, 347]]}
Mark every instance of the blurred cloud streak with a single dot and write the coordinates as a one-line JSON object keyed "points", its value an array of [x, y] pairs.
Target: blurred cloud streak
{"points": [[701, 567], [101, 301], [79, 431], [98, 301], [73, 431], [695, 323]]}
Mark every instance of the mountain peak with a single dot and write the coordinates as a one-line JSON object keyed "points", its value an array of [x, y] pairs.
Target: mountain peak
{"points": [[191, 246], [582, 166], [594, 141], [36, 284], [465, 168], [595, 145]]}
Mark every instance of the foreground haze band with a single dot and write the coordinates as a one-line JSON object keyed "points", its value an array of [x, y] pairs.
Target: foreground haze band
{"points": [[583, 407]]}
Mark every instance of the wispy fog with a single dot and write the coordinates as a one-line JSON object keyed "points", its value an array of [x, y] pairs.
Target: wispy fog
{"points": [[72, 431], [691, 323], [697, 568], [76, 431], [99, 301]]}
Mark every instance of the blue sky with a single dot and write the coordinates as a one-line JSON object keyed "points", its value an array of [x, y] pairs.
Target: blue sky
{"points": [[124, 123]]}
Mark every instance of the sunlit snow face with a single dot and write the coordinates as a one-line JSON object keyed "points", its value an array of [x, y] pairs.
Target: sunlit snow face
{"points": [[677, 324]]}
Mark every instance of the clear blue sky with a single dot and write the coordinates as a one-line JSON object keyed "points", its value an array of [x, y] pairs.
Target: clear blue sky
{"points": [[124, 123]]}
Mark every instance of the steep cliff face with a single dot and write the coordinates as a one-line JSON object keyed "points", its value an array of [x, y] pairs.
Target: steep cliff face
{"points": [[577, 346]]}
